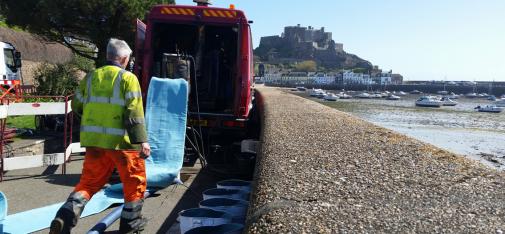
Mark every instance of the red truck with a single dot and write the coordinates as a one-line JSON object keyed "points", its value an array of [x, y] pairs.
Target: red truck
{"points": [[215, 45]]}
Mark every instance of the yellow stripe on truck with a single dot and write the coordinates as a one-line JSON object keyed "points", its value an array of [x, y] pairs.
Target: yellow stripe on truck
{"points": [[176, 11], [183, 11], [213, 13], [220, 13], [207, 13]]}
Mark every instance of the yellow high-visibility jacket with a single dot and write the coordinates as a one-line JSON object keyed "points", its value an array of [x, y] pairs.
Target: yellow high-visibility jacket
{"points": [[110, 101]]}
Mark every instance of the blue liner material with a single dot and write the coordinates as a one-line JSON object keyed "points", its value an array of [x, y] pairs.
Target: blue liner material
{"points": [[225, 193], [229, 228], [197, 217], [235, 184], [237, 208]]}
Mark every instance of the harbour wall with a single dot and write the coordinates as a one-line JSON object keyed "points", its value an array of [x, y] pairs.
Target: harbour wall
{"points": [[428, 88], [320, 170]]}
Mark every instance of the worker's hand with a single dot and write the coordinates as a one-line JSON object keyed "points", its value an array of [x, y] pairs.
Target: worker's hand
{"points": [[145, 150]]}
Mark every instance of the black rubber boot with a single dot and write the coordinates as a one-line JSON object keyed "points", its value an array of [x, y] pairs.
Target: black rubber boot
{"points": [[131, 218], [68, 215]]}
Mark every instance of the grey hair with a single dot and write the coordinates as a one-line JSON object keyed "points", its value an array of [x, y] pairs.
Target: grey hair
{"points": [[117, 49]]}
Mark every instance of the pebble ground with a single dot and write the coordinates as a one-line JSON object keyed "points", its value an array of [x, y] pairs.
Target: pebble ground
{"points": [[324, 171]]}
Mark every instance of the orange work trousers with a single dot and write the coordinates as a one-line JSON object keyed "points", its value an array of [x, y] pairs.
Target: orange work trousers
{"points": [[99, 165]]}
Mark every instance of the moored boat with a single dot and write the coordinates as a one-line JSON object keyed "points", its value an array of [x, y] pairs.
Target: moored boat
{"points": [[363, 95], [489, 108], [452, 95], [330, 97], [376, 95], [343, 95], [393, 97], [499, 102], [319, 93], [428, 101], [446, 101], [471, 95]]}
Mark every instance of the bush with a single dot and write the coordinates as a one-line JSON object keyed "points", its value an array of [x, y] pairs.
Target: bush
{"points": [[83, 64], [56, 80]]}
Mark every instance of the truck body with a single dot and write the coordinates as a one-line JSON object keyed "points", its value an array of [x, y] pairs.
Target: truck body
{"points": [[218, 41], [212, 49], [10, 62]]}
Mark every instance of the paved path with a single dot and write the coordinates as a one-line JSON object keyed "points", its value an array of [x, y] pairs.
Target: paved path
{"points": [[37, 187], [324, 171]]}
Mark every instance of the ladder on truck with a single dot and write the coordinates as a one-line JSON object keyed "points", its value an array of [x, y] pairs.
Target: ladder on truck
{"points": [[48, 105]]}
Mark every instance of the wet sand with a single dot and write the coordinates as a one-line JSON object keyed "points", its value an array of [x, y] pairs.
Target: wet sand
{"points": [[459, 129]]}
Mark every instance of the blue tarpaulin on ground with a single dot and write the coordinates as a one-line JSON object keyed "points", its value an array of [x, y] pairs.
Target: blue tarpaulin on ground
{"points": [[166, 114]]}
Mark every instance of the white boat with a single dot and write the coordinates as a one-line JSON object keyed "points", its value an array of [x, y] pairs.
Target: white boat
{"points": [[342, 95], [471, 95], [415, 91], [443, 92], [363, 95], [452, 95], [499, 102], [482, 95], [393, 97], [376, 95], [401, 93], [446, 101], [428, 101], [330, 97], [489, 108], [317, 93]]}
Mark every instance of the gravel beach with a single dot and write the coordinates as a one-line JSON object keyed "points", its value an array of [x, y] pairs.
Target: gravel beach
{"points": [[324, 171]]}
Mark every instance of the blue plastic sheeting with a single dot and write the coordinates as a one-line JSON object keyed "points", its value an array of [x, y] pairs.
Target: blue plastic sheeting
{"points": [[3, 209], [166, 114]]}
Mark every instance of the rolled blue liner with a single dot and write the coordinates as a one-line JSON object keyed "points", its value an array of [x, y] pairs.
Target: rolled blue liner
{"points": [[235, 184], [225, 193], [230, 228], [3, 209], [237, 208], [197, 217], [166, 113]]}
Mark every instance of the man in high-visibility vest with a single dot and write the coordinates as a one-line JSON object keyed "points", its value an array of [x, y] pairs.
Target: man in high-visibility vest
{"points": [[112, 127]]}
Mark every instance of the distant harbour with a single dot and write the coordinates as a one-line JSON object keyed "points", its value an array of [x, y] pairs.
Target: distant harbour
{"points": [[497, 89], [459, 129]]}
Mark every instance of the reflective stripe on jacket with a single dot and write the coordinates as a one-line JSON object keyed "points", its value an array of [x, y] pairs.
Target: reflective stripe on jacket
{"points": [[110, 101]]}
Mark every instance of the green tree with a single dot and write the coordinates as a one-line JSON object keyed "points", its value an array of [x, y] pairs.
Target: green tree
{"points": [[306, 66], [89, 22], [360, 70]]}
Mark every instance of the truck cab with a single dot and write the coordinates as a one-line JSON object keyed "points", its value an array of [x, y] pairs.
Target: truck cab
{"points": [[10, 63]]}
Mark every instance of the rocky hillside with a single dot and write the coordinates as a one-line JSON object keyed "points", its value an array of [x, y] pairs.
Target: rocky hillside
{"points": [[298, 43], [324, 58], [34, 51]]}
